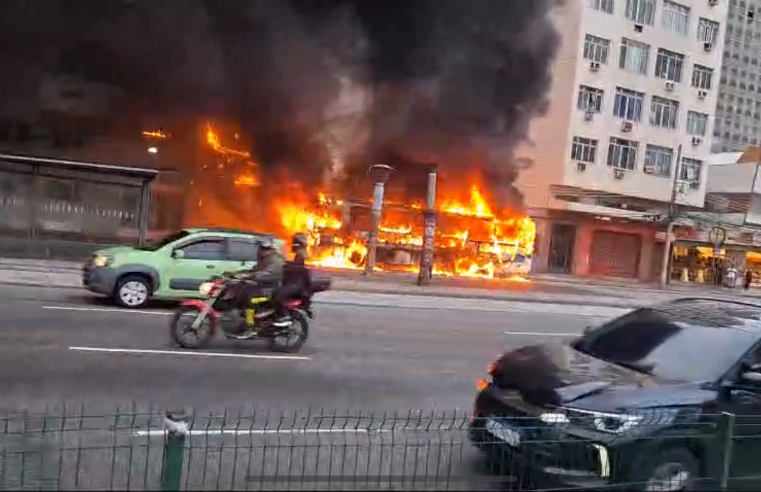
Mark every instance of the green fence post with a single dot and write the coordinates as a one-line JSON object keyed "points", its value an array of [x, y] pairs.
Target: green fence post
{"points": [[726, 441], [174, 452]]}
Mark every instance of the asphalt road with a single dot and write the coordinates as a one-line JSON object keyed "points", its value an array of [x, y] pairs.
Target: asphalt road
{"points": [[60, 346]]}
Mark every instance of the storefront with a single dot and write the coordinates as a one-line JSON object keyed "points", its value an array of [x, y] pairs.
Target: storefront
{"points": [[695, 259]]}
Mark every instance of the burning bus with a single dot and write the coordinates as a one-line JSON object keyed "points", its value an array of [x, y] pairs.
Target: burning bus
{"points": [[472, 238]]}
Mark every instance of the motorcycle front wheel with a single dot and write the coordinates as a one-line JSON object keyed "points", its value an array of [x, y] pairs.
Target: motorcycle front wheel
{"points": [[182, 332], [293, 337]]}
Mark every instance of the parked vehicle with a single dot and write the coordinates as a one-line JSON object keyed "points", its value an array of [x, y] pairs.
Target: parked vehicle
{"points": [[172, 269], [635, 401], [196, 322]]}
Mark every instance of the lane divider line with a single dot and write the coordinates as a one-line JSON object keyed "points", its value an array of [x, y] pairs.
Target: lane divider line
{"points": [[188, 352], [542, 334], [106, 310]]}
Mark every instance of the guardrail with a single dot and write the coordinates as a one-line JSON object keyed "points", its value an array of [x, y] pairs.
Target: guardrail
{"points": [[321, 450]]}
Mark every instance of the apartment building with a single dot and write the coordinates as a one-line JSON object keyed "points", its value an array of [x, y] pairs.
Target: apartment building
{"points": [[635, 81], [738, 112]]}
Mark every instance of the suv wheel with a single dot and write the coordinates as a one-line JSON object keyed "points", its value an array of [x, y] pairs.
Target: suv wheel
{"points": [[132, 291], [674, 468]]}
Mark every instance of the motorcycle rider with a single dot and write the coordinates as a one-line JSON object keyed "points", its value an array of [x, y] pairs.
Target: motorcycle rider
{"points": [[296, 279], [267, 274]]}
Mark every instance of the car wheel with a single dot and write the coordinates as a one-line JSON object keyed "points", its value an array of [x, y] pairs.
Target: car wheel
{"points": [[132, 291], [669, 469]]}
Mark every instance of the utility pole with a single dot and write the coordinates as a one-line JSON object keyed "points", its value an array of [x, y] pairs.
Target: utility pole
{"points": [[429, 233], [671, 219], [380, 173]]}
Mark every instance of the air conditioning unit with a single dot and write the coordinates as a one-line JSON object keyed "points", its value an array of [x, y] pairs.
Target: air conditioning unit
{"points": [[594, 66], [589, 115], [713, 3], [694, 185], [669, 86], [626, 126], [708, 46], [618, 173], [581, 166], [702, 94], [648, 169], [696, 141]]}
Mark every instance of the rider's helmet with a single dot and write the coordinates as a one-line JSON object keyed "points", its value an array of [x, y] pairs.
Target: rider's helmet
{"points": [[298, 241], [266, 246]]}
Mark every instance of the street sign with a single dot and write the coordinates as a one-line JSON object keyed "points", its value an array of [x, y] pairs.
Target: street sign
{"points": [[717, 236]]}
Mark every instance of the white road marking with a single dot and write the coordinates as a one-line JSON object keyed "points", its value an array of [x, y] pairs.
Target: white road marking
{"points": [[260, 432], [106, 310], [187, 352], [541, 334]]}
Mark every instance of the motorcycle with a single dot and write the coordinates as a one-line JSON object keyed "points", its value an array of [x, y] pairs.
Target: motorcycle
{"points": [[197, 320]]}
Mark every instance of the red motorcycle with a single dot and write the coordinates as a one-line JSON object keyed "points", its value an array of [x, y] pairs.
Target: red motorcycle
{"points": [[197, 321]]}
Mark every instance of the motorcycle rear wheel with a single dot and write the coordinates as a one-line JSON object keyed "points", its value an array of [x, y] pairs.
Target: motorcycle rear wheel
{"points": [[292, 338], [181, 332]]}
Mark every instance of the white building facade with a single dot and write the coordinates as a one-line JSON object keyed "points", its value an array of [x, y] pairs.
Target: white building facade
{"points": [[738, 112], [634, 81]]}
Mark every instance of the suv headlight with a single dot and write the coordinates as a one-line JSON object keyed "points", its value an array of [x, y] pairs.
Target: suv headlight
{"points": [[102, 260], [206, 288], [613, 423]]}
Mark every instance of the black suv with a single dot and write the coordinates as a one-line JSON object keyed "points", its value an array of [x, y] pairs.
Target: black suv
{"points": [[666, 397]]}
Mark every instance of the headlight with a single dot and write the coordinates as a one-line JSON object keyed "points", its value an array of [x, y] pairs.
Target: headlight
{"points": [[614, 423], [101, 261], [206, 288]]}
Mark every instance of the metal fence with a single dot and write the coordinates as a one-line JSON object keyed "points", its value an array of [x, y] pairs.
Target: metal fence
{"points": [[320, 450]]}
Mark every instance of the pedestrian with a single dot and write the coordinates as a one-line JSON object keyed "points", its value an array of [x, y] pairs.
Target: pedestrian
{"points": [[731, 276], [748, 278]]}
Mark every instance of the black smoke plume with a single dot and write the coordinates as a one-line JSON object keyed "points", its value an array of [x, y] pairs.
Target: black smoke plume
{"points": [[450, 82]]}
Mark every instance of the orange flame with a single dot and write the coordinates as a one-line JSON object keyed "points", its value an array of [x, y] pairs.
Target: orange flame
{"points": [[155, 135]]}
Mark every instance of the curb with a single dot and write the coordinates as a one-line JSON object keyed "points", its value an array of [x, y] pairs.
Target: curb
{"points": [[398, 292]]}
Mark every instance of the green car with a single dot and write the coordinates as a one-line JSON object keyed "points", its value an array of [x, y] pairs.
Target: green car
{"points": [[172, 269]]}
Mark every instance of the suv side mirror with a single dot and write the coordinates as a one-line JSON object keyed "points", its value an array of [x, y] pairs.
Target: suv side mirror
{"points": [[178, 254], [750, 374]]}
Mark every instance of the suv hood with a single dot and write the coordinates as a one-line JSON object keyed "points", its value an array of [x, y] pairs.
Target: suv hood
{"points": [[549, 375]]}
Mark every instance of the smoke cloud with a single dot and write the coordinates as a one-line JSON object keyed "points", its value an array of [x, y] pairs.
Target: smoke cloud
{"points": [[321, 87]]}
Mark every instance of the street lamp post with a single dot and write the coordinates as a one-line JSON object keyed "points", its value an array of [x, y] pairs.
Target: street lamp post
{"points": [[429, 232], [380, 174]]}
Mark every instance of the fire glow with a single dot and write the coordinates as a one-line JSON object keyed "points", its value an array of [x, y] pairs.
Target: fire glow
{"points": [[472, 239]]}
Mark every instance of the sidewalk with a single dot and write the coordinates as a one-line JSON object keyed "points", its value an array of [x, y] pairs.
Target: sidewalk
{"points": [[547, 289]]}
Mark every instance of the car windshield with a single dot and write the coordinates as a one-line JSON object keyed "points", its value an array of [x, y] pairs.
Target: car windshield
{"points": [[667, 347], [167, 240]]}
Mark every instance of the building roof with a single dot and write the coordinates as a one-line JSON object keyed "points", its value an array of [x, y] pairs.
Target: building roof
{"points": [[138, 172]]}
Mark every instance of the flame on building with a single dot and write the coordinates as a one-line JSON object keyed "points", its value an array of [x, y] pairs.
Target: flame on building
{"points": [[472, 239]]}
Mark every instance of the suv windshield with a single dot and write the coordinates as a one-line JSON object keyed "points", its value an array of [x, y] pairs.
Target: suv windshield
{"points": [[167, 240], [667, 347]]}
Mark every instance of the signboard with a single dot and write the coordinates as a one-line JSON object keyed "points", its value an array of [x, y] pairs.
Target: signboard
{"points": [[717, 236]]}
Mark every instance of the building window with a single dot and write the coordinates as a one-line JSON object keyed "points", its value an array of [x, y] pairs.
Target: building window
{"points": [[602, 5], [590, 99], [676, 17], [622, 153], [584, 150], [640, 11], [668, 65], [596, 49], [634, 56], [689, 171], [658, 160], [663, 112], [708, 31], [702, 77], [697, 123], [628, 104]]}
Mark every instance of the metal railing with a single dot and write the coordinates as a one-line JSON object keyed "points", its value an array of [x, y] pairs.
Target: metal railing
{"points": [[321, 450]]}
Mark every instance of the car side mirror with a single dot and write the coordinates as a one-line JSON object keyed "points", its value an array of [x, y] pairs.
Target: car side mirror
{"points": [[178, 254], [588, 329]]}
